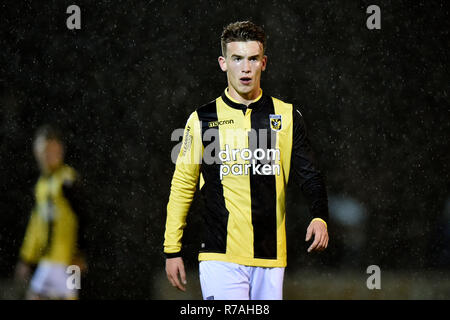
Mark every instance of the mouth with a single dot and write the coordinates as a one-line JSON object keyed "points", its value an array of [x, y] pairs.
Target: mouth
{"points": [[245, 80]]}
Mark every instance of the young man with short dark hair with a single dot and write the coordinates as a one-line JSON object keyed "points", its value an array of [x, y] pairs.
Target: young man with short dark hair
{"points": [[242, 149]]}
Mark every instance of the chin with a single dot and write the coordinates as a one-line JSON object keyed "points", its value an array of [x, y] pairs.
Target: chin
{"points": [[245, 90]]}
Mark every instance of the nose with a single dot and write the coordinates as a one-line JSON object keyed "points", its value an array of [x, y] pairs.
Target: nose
{"points": [[246, 66]]}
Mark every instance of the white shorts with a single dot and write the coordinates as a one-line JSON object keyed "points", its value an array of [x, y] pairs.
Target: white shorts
{"points": [[50, 280], [230, 281]]}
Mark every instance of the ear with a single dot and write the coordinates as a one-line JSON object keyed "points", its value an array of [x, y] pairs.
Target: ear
{"points": [[264, 63], [223, 63]]}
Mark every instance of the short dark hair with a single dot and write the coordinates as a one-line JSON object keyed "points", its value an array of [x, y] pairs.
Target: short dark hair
{"points": [[242, 31], [48, 132]]}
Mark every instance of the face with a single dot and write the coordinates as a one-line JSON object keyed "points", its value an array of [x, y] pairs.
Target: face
{"points": [[49, 154], [244, 62]]}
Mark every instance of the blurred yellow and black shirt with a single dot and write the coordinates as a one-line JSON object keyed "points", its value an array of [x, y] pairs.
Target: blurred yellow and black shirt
{"points": [[53, 230], [256, 151]]}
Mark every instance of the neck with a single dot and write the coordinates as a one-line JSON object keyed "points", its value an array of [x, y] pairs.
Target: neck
{"points": [[50, 170], [244, 98]]}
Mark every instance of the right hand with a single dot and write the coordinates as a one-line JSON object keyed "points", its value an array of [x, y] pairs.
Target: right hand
{"points": [[23, 271], [175, 267], [80, 261]]}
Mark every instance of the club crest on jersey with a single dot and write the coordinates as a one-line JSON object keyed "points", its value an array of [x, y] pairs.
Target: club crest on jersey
{"points": [[275, 122]]}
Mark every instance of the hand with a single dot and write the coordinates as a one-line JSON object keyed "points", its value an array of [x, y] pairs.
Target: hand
{"points": [[319, 230], [23, 271], [175, 266], [80, 261]]}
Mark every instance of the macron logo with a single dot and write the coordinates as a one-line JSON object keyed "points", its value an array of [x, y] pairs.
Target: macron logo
{"points": [[213, 124]]}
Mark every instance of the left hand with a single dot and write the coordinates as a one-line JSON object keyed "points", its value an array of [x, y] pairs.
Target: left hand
{"points": [[320, 232]]}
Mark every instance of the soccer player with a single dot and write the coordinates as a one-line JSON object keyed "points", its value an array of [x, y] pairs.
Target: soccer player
{"points": [[242, 149], [52, 240]]}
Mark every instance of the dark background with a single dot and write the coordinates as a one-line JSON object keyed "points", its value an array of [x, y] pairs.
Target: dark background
{"points": [[376, 104]]}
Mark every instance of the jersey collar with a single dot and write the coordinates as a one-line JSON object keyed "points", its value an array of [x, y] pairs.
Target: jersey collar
{"points": [[237, 105]]}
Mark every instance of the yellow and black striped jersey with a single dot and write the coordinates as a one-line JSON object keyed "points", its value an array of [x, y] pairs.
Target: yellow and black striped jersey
{"points": [[52, 231], [242, 157]]}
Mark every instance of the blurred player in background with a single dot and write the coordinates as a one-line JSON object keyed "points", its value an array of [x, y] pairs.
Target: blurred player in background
{"points": [[259, 144], [53, 238]]}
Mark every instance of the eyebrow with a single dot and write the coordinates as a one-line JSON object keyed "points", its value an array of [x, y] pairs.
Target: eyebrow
{"points": [[238, 56]]}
